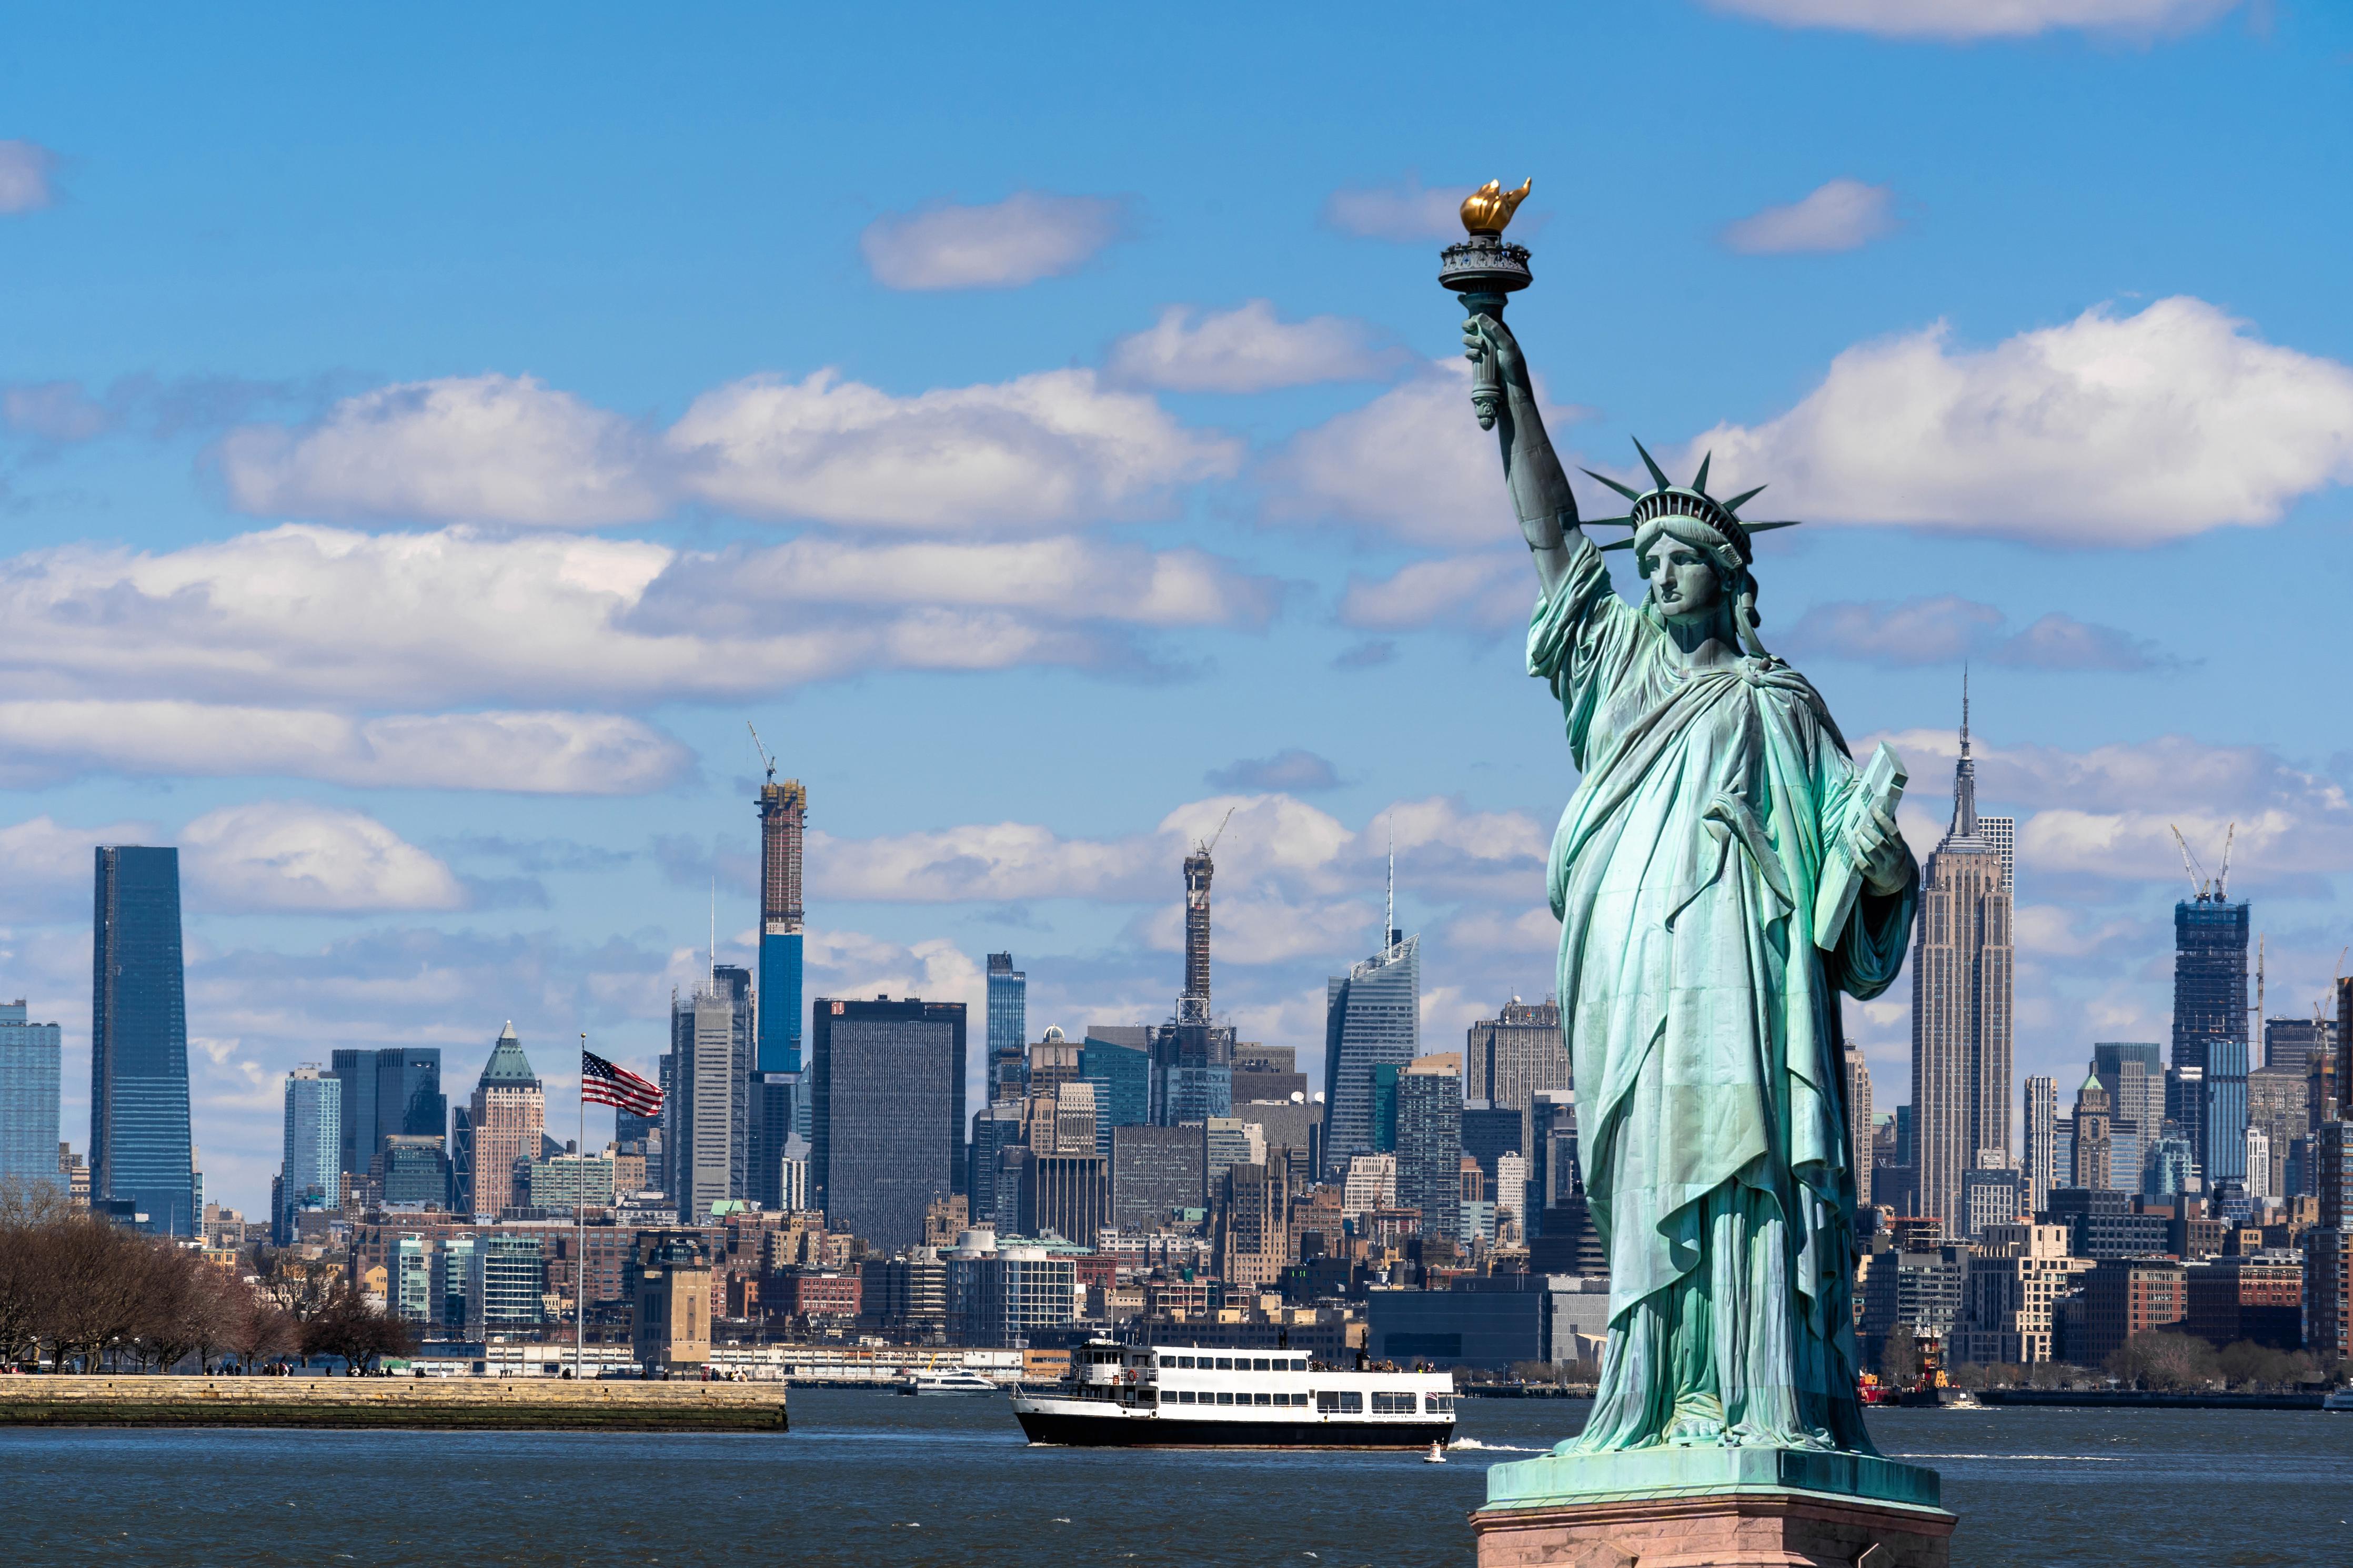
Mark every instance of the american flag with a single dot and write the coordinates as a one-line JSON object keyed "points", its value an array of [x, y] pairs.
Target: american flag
{"points": [[605, 1084]]}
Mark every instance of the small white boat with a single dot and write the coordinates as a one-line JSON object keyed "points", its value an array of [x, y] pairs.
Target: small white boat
{"points": [[1437, 1455], [2338, 1399], [947, 1383]]}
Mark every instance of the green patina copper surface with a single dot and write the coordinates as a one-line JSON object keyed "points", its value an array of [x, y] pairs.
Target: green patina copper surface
{"points": [[1707, 1472], [1700, 1000]]}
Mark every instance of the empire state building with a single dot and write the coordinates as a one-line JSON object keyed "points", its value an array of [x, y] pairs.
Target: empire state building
{"points": [[1961, 982]]}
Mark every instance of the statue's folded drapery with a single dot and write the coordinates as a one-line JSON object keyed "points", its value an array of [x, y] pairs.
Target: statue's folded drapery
{"points": [[1703, 1024]]}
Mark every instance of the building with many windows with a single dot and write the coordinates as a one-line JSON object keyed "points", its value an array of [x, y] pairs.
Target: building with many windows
{"points": [[30, 1055], [1372, 1019], [2018, 1275], [1962, 962], [142, 1156], [312, 1150], [2041, 1142], [1430, 1141], [709, 1136], [506, 1280], [505, 1123], [784, 822], [888, 1092], [1154, 1173], [998, 1296]]}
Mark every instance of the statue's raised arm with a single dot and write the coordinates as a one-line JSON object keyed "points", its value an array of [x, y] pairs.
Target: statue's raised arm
{"points": [[1540, 492]]}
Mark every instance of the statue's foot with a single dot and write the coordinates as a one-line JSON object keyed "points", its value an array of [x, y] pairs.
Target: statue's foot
{"points": [[1695, 1432]]}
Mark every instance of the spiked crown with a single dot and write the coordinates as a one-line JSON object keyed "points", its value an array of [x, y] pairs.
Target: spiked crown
{"points": [[1691, 500]]}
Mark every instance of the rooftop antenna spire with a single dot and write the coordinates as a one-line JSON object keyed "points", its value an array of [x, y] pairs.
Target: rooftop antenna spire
{"points": [[1965, 773], [714, 929], [1388, 920]]}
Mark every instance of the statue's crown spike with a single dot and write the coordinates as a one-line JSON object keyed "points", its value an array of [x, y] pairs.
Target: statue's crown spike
{"points": [[1699, 480]]}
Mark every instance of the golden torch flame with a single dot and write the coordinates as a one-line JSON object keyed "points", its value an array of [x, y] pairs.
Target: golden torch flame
{"points": [[1489, 209]]}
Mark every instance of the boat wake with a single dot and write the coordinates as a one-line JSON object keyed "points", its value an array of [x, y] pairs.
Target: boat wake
{"points": [[1492, 1448]]}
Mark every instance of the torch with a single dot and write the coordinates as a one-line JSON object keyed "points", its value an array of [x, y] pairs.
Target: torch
{"points": [[1485, 271]]}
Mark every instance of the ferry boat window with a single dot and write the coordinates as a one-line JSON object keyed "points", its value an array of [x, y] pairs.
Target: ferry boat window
{"points": [[1184, 1360], [1441, 1404], [1262, 1398], [1260, 1364], [1225, 1363], [1225, 1396], [1339, 1402], [1392, 1404]]}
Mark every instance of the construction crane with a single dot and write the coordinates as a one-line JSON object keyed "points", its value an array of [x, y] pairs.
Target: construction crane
{"points": [[1211, 843], [770, 763], [2198, 883], [2206, 890]]}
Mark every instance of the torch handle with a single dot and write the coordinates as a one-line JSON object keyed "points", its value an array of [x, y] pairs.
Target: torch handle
{"points": [[1486, 379]]}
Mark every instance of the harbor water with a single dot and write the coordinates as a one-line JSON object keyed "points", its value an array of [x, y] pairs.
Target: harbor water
{"points": [[870, 1478]]}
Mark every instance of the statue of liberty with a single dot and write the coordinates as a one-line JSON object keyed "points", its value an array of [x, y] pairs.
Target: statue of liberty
{"points": [[1723, 871]]}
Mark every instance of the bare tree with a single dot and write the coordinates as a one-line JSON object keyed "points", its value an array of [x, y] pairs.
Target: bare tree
{"points": [[348, 1326], [94, 1284]]}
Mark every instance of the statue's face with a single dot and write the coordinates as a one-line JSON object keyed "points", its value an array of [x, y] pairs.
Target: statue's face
{"points": [[1682, 580]]}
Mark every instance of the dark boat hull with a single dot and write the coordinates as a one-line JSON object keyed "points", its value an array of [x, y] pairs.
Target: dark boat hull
{"points": [[1118, 1432]]}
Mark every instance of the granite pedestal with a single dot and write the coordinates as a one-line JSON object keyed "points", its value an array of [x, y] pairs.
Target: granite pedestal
{"points": [[1712, 1508]]}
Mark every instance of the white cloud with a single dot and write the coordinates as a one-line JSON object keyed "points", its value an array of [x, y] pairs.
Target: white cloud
{"points": [[1843, 215], [1029, 454], [850, 963], [418, 620], [25, 169], [1276, 849], [482, 449], [1408, 210], [1245, 349], [538, 754], [1947, 628], [2109, 812], [292, 855], [1412, 464], [1028, 236], [51, 866], [1472, 593], [2108, 430], [1966, 19]]}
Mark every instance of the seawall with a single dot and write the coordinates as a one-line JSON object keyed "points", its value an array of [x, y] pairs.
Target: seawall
{"points": [[479, 1404]]}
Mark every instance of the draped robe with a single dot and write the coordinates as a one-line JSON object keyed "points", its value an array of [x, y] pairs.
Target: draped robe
{"points": [[1703, 1026]]}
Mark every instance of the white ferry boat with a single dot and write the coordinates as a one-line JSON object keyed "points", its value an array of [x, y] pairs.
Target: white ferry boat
{"points": [[958, 1382], [1191, 1396]]}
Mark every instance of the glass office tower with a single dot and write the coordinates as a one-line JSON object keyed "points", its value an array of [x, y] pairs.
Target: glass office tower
{"points": [[29, 1054], [140, 1152]]}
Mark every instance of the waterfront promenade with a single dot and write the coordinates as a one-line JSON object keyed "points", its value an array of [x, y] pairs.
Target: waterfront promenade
{"points": [[480, 1404]]}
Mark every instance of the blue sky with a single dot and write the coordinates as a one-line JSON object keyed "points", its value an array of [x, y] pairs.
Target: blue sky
{"points": [[425, 440]]}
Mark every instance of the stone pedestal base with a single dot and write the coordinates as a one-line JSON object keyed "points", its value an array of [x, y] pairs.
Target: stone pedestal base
{"points": [[1741, 1529], [1712, 1508]]}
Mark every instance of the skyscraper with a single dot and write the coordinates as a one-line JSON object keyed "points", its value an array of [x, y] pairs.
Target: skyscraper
{"points": [[1430, 1141], [888, 1090], [1509, 1057], [1372, 1018], [1008, 1021], [2093, 1162], [2134, 1075], [2042, 1140], [311, 1157], [1961, 976], [141, 1149], [30, 1089], [2210, 1014], [508, 1119], [711, 1050], [1860, 1128], [357, 1070], [408, 1099], [784, 818], [1193, 1003]]}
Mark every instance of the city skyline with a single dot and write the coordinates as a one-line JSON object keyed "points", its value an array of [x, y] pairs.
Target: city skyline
{"points": [[1027, 568]]}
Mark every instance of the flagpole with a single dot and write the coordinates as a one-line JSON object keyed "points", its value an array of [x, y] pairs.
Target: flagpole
{"points": [[580, 1219]]}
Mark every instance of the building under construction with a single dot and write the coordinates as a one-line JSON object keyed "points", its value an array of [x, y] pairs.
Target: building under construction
{"points": [[783, 819]]}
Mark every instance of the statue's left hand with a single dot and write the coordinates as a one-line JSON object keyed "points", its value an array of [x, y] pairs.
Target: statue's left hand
{"points": [[1879, 851]]}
